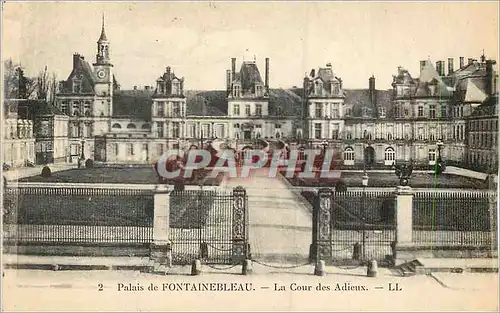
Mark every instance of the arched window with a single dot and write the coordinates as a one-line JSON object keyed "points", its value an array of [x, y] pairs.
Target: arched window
{"points": [[116, 125], [87, 112], [348, 156], [146, 126], [131, 126], [389, 136], [389, 156]]}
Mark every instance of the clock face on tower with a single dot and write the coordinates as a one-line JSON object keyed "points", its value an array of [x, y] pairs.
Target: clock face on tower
{"points": [[101, 74]]}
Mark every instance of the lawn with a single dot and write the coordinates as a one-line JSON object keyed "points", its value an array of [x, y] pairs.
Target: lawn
{"points": [[98, 207], [418, 180], [444, 213], [48, 206], [115, 175]]}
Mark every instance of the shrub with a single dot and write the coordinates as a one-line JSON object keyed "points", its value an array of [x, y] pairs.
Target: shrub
{"points": [[89, 163], [46, 172]]}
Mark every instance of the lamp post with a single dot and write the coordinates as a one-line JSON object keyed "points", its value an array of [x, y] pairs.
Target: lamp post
{"points": [[365, 183], [324, 144], [439, 163]]}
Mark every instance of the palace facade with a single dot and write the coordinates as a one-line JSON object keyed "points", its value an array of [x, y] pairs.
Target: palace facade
{"points": [[369, 127]]}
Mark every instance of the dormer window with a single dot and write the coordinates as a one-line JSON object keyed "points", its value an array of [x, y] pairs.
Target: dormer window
{"points": [[236, 91], [382, 112], [279, 111], [161, 87], [77, 86], [318, 88], [335, 88], [176, 88], [258, 90], [364, 111]]}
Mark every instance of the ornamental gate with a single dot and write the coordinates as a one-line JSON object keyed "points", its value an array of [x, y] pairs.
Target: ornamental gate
{"points": [[208, 225], [353, 227]]}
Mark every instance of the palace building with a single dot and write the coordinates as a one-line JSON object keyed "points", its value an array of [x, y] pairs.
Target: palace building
{"points": [[424, 114]]}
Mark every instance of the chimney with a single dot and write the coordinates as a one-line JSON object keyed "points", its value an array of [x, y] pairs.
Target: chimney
{"points": [[313, 73], [490, 77], [373, 96], [167, 71], [438, 67], [422, 65], [76, 60], [228, 80], [441, 68], [267, 74], [450, 66], [470, 60], [328, 64], [461, 62], [233, 67]]}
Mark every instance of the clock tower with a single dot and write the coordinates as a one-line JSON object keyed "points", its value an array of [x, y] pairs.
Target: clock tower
{"points": [[103, 69]]}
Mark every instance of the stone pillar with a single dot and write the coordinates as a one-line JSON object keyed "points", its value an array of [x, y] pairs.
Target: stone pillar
{"points": [[493, 212], [161, 248], [323, 228], [404, 225]]}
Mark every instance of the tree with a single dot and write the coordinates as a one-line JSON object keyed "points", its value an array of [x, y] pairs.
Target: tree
{"points": [[16, 84]]}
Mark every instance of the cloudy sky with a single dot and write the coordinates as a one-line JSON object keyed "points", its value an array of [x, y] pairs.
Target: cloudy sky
{"points": [[199, 39]]}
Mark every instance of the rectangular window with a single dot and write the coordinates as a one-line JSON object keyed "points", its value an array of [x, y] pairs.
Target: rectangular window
{"points": [[130, 149], [247, 110], [236, 109], [159, 149], [335, 112], [161, 109], [64, 107], [115, 149], [258, 109], [443, 111], [176, 109], [335, 133], [161, 133], [317, 130], [193, 130], [420, 111], [88, 128], [175, 130], [277, 126], [432, 111], [319, 110], [432, 155]]}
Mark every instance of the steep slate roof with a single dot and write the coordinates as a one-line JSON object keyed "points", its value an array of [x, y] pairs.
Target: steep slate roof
{"points": [[288, 101], [327, 76], [81, 69], [248, 76], [132, 103], [360, 98], [206, 103], [28, 109], [487, 109], [428, 77], [403, 77]]}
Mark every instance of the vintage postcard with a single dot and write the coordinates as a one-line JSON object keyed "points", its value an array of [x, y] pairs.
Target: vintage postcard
{"points": [[249, 156]]}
